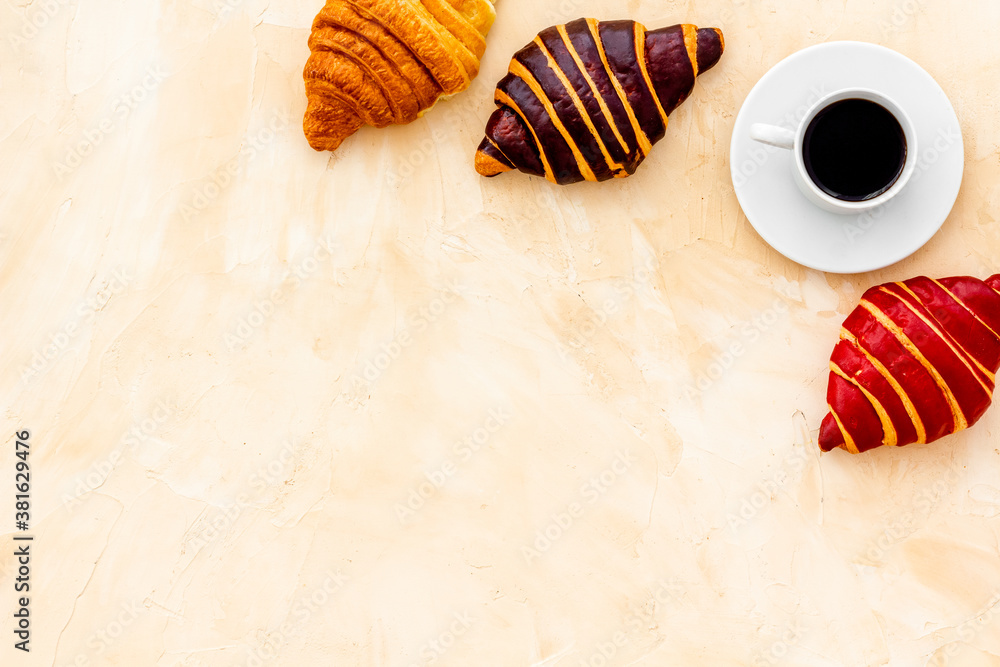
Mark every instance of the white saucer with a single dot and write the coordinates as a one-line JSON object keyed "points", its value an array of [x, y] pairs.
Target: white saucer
{"points": [[801, 231]]}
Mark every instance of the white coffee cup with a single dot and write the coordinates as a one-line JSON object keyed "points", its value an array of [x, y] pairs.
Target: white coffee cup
{"points": [[793, 140]]}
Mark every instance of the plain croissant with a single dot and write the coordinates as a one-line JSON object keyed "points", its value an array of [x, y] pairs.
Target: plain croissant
{"points": [[383, 62], [916, 361], [587, 100]]}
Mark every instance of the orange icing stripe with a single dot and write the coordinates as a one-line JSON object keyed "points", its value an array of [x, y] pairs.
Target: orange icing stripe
{"points": [[908, 405], [504, 98], [960, 422], [889, 435], [644, 144], [519, 70]]}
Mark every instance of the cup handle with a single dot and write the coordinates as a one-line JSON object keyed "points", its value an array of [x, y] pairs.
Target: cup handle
{"points": [[772, 135]]}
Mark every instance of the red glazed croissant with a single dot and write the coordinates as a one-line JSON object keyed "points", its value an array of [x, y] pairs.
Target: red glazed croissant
{"points": [[916, 361], [587, 100]]}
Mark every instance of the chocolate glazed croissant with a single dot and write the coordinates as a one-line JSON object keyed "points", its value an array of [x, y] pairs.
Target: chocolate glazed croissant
{"points": [[916, 361], [587, 100], [380, 62]]}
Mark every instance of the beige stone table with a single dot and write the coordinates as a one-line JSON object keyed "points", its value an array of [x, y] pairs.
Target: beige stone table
{"points": [[368, 408]]}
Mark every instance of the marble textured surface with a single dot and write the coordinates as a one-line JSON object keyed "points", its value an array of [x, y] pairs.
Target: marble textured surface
{"points": [[291, 408]]}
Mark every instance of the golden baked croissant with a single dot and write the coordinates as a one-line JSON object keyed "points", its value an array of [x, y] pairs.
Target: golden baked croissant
{"points": [[587, 100], [383, 62], [916, 361]]}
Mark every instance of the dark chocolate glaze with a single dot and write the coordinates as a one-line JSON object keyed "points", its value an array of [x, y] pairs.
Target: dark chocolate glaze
{"points": [[509, 133], [671, 75], [583, 43], [557, 151], [564, 60], [535, 62], [710, 49], [669, 66], [618, 38]]}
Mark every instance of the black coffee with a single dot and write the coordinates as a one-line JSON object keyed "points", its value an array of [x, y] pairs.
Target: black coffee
{"points": [[854, 149]]}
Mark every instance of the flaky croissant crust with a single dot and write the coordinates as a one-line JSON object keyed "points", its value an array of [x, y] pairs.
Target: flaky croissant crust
{"points": [[917, 360], [383, 62]]}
